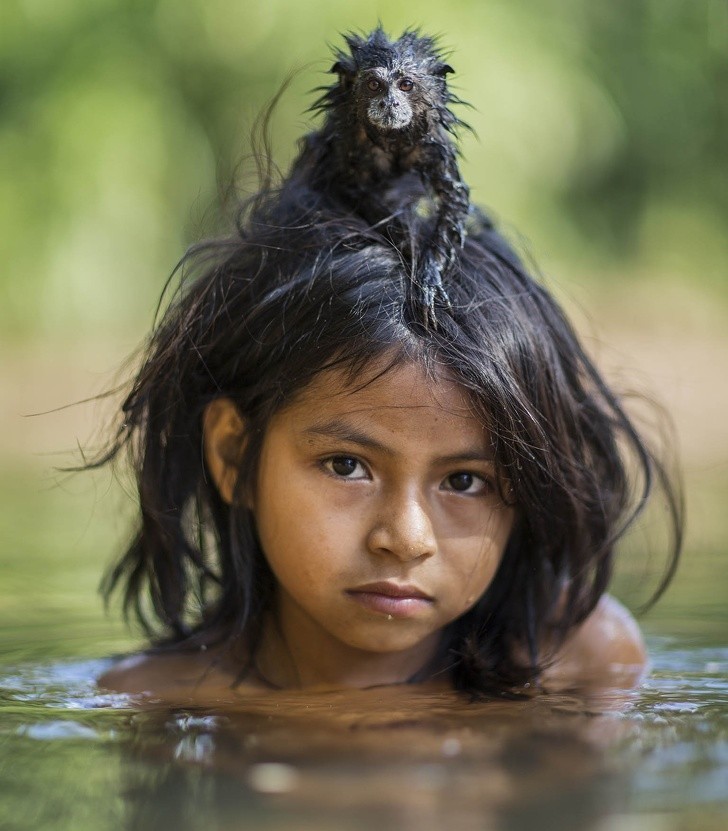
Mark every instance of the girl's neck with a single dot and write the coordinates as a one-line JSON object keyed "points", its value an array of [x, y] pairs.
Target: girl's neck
{"points": [[287, 659]]}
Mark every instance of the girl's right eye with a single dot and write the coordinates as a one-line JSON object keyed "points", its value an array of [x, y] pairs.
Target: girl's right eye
{"points": [[346, 467]]}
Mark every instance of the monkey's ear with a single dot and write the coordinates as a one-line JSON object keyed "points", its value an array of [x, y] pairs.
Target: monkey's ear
{"points": [[445, 69], [223, 431], [346, 76]]}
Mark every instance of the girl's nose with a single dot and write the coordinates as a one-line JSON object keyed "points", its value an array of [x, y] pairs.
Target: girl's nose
{"points": [[403, 528]]}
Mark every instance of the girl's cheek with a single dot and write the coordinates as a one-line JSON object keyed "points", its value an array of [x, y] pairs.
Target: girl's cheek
{"points": [[479, 520]]}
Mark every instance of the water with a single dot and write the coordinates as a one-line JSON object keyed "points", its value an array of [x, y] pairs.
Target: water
{"points": [[387, 758]]}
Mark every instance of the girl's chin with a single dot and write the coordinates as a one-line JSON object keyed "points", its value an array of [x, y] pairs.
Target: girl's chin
{"points": [[392, 641]]}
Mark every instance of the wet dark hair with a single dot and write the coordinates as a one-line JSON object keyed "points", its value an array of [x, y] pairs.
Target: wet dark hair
{"points": [[303, 286]]}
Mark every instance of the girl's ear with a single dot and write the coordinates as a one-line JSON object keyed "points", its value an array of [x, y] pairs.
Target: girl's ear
{"points": [[223, 436]]}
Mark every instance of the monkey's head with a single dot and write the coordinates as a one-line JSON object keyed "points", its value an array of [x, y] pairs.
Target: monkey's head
{"points": [[391, 87]]}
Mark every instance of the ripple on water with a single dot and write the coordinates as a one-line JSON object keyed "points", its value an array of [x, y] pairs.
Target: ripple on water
{"points": [[384, 756]]}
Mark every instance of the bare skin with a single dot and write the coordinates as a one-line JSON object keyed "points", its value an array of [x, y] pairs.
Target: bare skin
{"points": [[605, 653], [404, 530]]}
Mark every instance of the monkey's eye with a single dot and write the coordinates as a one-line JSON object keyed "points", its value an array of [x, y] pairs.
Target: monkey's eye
{"points": [[373, 85], [406, 85]]}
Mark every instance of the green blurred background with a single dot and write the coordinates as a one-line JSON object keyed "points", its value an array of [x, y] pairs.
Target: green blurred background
{"points": [[601, 147]]}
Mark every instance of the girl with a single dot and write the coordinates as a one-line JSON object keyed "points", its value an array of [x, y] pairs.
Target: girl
{"points": [[336, 489]]}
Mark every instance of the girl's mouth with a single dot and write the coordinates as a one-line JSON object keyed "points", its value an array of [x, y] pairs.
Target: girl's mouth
{"points": [[391, 599]]}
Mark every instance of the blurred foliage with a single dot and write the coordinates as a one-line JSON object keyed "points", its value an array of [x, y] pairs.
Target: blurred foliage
{"points": [[602, 132]]}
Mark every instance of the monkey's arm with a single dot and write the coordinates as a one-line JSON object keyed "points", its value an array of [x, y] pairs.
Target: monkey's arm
{"points": [[439, 167]]}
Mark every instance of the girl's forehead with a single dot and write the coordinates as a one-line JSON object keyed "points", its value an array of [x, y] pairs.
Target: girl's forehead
{"points": [[406, 385]]}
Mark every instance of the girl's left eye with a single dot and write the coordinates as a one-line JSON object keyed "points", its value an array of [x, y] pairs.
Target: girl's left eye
{"points": [[463, 482], [346, 467]]}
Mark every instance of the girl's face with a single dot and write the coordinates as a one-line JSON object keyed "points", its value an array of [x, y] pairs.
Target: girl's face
{"points": [[378, 511]]}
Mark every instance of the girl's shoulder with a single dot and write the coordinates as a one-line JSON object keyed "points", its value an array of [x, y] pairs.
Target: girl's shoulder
{"points": [[176, 676], [607, 651]]}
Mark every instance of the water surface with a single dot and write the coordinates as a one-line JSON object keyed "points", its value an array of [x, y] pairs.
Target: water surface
{"points": [[387, 758], [72, 757]]}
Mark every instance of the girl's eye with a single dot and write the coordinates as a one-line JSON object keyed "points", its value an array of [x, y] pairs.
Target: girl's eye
{"points": [[373, 85], [406, 85], [466, 483], [345, 466]]}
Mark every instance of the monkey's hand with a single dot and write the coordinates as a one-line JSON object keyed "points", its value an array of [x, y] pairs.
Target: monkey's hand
{"points": [[429, 281]]}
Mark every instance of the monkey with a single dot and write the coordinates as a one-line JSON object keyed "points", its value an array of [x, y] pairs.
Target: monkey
{"points": [[387, 117]]}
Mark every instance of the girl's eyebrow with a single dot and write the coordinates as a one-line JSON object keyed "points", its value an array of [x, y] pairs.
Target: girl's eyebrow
{"points": [[467, 456], [337, 429]]}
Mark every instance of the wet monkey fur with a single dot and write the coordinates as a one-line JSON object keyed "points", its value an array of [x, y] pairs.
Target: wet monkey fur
{"points": [[387, 120]]}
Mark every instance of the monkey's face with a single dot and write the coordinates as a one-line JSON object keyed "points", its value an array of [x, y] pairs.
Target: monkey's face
{"points": [[390, 100]]}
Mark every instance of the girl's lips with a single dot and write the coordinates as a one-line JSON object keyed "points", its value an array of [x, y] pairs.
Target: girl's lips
{"points": [[391, 599]]}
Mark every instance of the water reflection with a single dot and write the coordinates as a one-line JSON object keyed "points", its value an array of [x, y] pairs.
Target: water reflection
{"points": [[384, 759]]}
